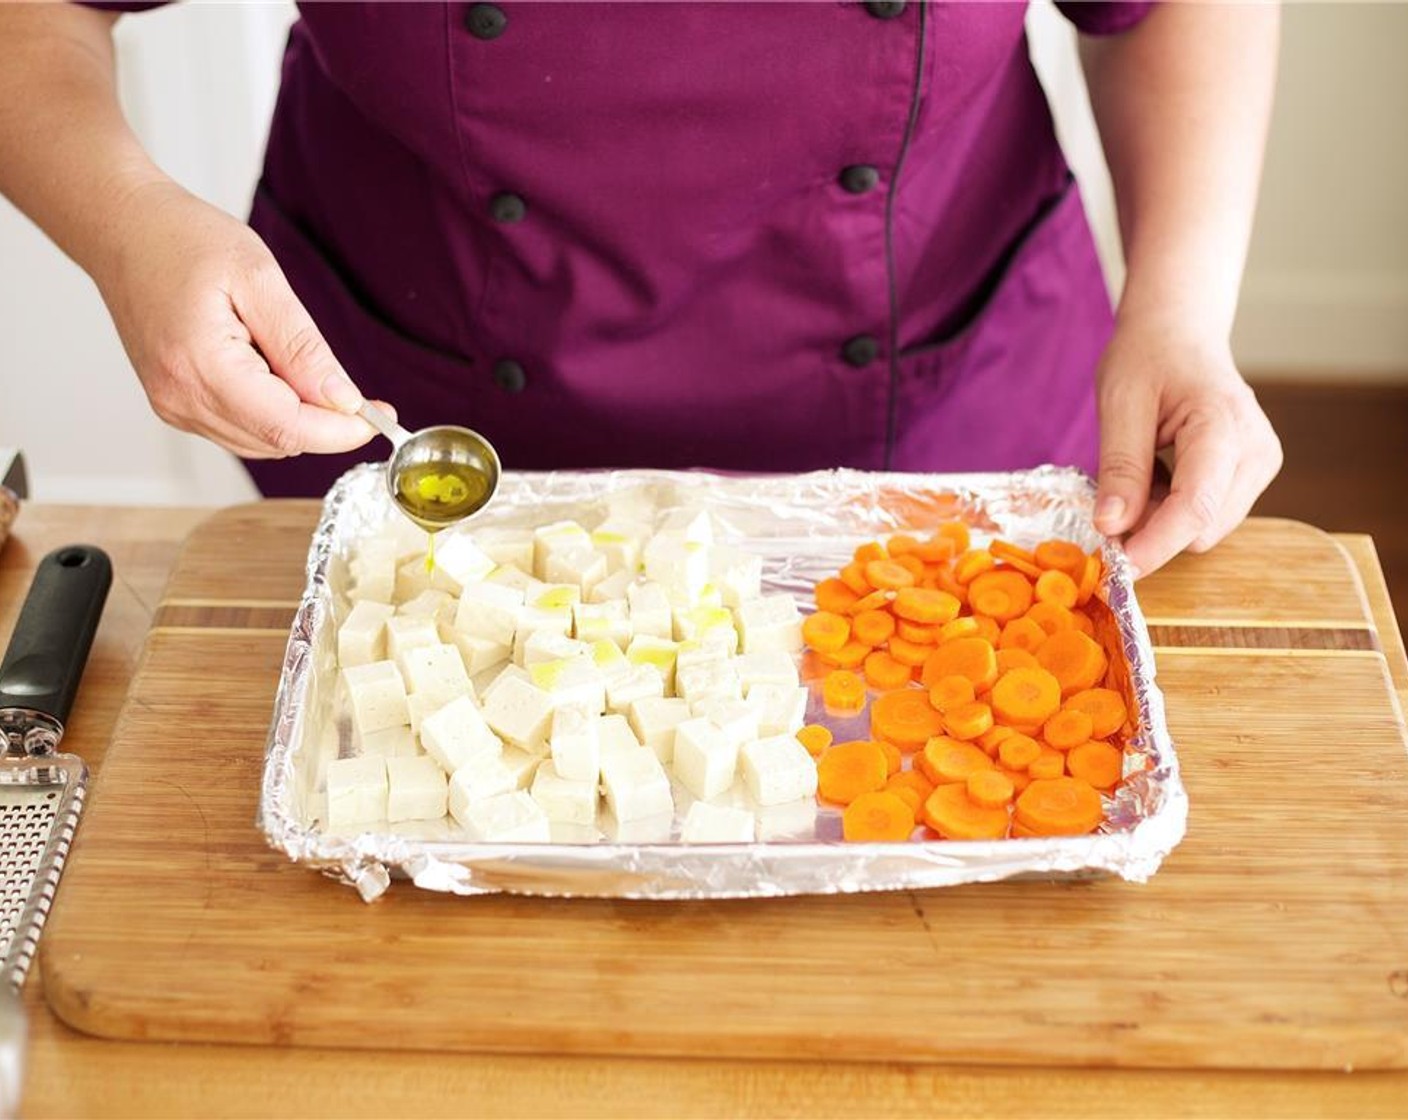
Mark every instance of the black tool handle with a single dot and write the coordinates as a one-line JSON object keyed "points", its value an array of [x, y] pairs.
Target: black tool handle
{"points": [[50, 643]]}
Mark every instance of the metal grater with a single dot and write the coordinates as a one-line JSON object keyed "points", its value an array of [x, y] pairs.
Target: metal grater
{"points": [[41, 792]]}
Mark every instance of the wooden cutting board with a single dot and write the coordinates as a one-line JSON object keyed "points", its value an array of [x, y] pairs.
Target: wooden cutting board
{"points": [[1276, 935]]}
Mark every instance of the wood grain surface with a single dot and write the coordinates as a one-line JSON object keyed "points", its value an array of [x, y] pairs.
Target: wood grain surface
{"points": [[72, 1074]]}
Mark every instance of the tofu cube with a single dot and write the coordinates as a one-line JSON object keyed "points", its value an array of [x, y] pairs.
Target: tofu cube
{"points": [[559, 537], [694, 652], [582, 567], [701, 623], [657, 652], [594, 621], [679, 565], [574, 681], [509, 818], [507, 673], [372, 571], [650, 611], [548, 645], [716, 824], [361, 639], [406, 632], [390, 742], [413, 578], [737, 574], [511, 575], [520, 714], [575, 741], [483, 777], [713, 679], [613, 587], [695, 525], [635, 785], [418, 706], [777, 769], [616, 735], [781, 709], [461, 561], [356, 791], [521, 766], [737, 719], [771, 667], [654, 720], [456, 735], [416, 790], [507, 547], [769, 623], [792, 820], [377, 695], [638, 683], [479, 654], [438, 605], [620, 540], [569, 800], [609, 659], [489, 610], [435, 670], [705, 759]]}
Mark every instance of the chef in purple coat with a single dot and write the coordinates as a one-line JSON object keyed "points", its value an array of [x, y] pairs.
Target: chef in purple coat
{"points": [[747, 236]]}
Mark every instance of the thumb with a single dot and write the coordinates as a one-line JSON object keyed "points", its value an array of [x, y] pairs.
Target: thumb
{"points": [[1128, 433], [291, 343]]}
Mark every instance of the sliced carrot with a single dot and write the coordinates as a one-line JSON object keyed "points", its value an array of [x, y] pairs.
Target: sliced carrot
{"points": [[853, 576], [1050, 763], [843, 691], [988, 629], [948, 760], [950, 692], [919, 635], [1017, 752], [1059, 807], [956, 533], [871, 550], [929, 608], [965, 627], [1068, 728], [1001, 595], [905, 717], [902, 544], [912, 564], [1097, 763], [1089, 580], [834, 596], [847, 770], [1104, 706], [875, 601], [1026, 696], [1057, 587], [968, 721], [908, 796], [894, 758], [909, 653], [992, 789], [936, 550], [1083, 622], [1061, 556], [973, 658], [951, 813], [1014, 557], [945, 580], [1020, 779], [873, 627], [825, 632], [972, 564], [877, 816], [910, 782], [1021, 633], [883, 672], [992, 738], [849, 656], [1049, 617], [888, 575], [815, 737], [1009, 659], [1074, 659]]}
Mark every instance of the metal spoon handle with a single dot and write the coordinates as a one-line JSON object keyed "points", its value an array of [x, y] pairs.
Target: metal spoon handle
{"points": [[383, 423]]}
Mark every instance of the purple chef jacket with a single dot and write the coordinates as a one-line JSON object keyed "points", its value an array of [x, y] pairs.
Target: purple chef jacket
{"points": [[774, 236]]}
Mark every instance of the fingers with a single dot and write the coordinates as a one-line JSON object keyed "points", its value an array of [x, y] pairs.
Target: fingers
{"points": [[1128, 433]]}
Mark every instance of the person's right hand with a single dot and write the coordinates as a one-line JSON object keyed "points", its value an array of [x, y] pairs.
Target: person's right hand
{"points": [[220, 342]]}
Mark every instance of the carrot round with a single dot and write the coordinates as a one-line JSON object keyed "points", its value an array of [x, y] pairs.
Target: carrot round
{"points": [[1050, 617], [905, 717], [936, 550], [843, 691], [1059, 807], [1009, 659], [988, 629], [972, 564], [1068, 728], [1097, 763], [1015, 557], [894, 759], [888, 575], [1074, 659], [1002, 595], [1020, 779], [910, 784], [883, 672], [815, 737], [873, 601], [870, 550], [1061, 556], [925, 606], [1083, 622], [1021, 633], [1089, 580], [950, 692], [911, 564], [1026, 696], [1056, 587], [902, 544], [968, 721], [992, 738], [965, 627], [948, 760], [872, 627], [847, 770], [849, 656], [877, 816], [1017, 752], [909, 653], [951, 813], [833, 595], [991, 789], [956, 534], [1104, 706], [973, 658], [918, 634], [1050, 763], [825, 632], [853, 576], [945, 580]]}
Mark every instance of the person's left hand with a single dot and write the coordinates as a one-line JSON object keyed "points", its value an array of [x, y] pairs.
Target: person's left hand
{"points": [[1159, 387]]}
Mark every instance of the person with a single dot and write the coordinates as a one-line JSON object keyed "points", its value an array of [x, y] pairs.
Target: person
{"points": [[744, 236]]}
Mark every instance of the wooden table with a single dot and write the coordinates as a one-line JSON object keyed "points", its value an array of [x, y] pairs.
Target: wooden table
{"points": [[72, 1074]]}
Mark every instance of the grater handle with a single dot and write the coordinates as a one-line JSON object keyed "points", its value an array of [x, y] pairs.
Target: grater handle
{"points": [[51, 639]]}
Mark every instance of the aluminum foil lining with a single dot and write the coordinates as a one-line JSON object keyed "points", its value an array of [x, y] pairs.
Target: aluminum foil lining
{"points": [[804, 526]]}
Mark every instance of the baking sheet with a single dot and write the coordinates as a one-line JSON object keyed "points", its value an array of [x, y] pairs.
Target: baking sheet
{"points": [[804, 527]]}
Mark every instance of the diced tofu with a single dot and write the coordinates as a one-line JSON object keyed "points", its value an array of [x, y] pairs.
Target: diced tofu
{"points": [[460, 560], [439, 605], [608, 657], [777, 769], [521, 766], [770, 623], [679, 565], [737, 574], [582, 567], [356, 791], [361, 639], [716, 824], [570, 800], [390, 742], [704, 758], [711, 679], [650, 611], [637, 683], [781, 709], [377, 695], [659, 652], [509, 575], [479, 654], [696, 652], [372, 571], [575, 740], [510, 818], [553, 597], [771, 667], [406, 632], [416, 790], [413, 578], [507, 673], [560, 536], [694, 525], [594, 621], [489, 610], [613, 587], [572, 681], [792, 820], [707, 624], [534, 620], [418, 706], [654, 720], [436, 670], [620, 539], [616, 735], [635, 785], [547, 645], [737, 719], [519, 713], [483, 777], [457, 734], [507, 547]]}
